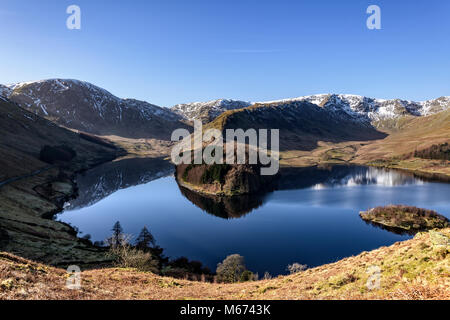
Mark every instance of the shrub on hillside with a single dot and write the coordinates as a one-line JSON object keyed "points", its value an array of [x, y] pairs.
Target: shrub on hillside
{"points": [[247, 275], [231, 269], [126, 256], [195, 267]]}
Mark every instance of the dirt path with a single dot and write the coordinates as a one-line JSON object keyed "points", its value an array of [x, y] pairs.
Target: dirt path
{"points": [[34, 173]]}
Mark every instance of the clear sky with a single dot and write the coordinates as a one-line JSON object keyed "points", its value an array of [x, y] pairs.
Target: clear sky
{"points": [[169, 52]]}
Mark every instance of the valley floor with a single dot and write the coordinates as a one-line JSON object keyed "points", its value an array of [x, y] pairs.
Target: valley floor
{"points": [[414, 269]]}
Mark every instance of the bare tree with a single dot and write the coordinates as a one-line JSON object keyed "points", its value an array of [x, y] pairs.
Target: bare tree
{"points": [[296, 268]]}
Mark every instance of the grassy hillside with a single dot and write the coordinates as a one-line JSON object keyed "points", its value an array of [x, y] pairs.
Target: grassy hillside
{"points": [[32, 191], [413, 269]]}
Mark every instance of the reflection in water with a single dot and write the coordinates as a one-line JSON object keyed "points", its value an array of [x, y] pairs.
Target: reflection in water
{"points": [[223, 207], [395, 230], [299, 178], [100, 182], [367, 176], [342, 175]]}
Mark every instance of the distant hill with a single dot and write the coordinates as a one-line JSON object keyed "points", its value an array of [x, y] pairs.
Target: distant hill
{"points": [[207, 111], [371, 109]]}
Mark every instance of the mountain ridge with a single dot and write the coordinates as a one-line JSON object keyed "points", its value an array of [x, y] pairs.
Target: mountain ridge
{"points": [[356, 106], [83, 106]]}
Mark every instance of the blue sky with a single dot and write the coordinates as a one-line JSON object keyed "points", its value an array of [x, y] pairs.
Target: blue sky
{"points": [[169, 52]]}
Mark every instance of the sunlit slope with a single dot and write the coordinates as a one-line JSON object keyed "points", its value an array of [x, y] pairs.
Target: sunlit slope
{"points": [[408, 135]]}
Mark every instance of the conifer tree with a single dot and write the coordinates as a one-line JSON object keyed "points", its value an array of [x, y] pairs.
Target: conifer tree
{"points": [[145, 240]]}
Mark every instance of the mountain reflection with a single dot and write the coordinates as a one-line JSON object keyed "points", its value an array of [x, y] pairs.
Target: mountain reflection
{"points": [[223, 207], [335, 176], [102, 181]]}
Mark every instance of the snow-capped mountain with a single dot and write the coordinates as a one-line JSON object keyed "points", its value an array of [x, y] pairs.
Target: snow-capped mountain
{"points": [[86, 107], [360, 107], [4, 92], [357, 107], [207, 111]]}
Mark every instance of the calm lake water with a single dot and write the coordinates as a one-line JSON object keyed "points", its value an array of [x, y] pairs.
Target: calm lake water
{"points": [[312, 219]]}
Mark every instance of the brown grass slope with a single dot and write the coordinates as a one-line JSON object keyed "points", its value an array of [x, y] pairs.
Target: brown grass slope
{"points": [[413, 269], [409, 134]]}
